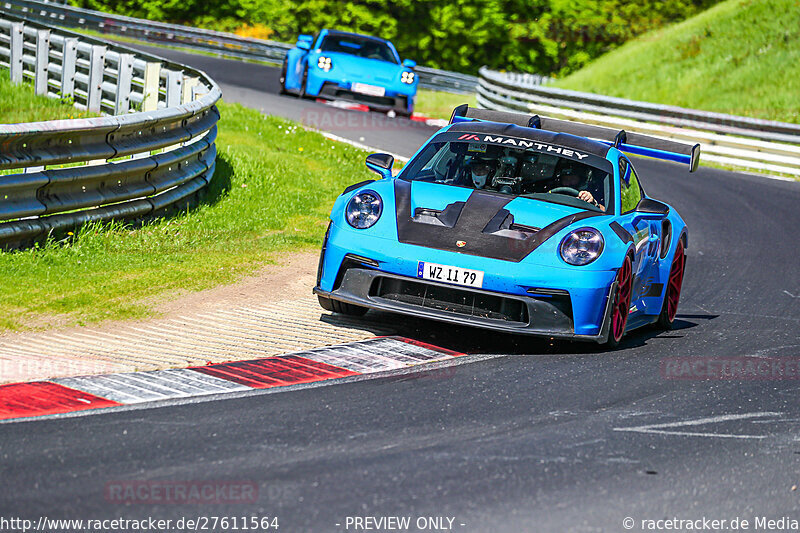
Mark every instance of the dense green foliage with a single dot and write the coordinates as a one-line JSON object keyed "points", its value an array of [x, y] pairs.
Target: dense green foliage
{"points": [[740, 57], [542, 36]]}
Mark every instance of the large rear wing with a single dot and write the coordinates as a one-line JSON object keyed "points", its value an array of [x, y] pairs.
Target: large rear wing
{"points": [[632, 143]]}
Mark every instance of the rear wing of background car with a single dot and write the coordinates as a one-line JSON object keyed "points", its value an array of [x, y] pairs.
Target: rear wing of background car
{"points": [[632, 143]]}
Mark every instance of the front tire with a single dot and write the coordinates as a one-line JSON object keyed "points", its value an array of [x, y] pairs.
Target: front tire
{"points": [[622, 303], [335, 306], [302, 92], [673, 294], [284, 69]]}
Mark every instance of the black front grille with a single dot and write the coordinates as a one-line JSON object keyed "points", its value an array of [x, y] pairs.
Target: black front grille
{"points": [[333, 91], [452, 299]]}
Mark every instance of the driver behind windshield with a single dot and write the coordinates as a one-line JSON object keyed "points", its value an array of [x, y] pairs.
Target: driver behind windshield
{"points": [[479, 171], [568, 178]]}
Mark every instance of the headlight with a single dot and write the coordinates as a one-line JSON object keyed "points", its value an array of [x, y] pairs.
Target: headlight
{"points": [[364, 209], [324, 63], [582, 246], [407, 77]]}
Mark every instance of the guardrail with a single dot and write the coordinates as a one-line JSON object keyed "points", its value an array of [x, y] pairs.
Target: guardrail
{"points": [[221, 43], [744, 142], [129, 165]]}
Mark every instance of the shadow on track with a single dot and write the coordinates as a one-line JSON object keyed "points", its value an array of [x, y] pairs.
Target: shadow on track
{"points": [[471, 340]]}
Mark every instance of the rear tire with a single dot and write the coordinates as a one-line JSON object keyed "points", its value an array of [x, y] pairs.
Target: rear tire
{"points": [[672, 295], [284, 68], [622, 303], [335, 306]]}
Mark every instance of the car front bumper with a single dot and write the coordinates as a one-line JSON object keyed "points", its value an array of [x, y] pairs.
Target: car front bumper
{"points": [[581, 294], [333, 91], [547, 314], [398, 97]]}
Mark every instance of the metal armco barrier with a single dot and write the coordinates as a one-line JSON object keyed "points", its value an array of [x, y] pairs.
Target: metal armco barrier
{"points": [[154, 152], [221, 43], [745, 142]]}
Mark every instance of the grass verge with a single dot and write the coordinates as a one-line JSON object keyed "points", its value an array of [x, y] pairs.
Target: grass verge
{"points": [[437, 104], [740, 57], [273, 189], [18, 103]]}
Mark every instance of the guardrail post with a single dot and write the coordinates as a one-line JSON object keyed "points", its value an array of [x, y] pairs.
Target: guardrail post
{"points": [[124, 79], [189, 83], [174, 90], [152, 77], [95, 88], [69, 57], [15, 55], [42, 61], [198, 91]]}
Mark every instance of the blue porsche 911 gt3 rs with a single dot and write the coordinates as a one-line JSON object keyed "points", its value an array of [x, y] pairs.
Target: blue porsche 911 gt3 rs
{"points": [[338, 65], [514, 223]]}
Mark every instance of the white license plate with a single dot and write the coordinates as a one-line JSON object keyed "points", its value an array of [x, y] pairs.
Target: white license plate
{"points": [[450, 274], [372, 90]]}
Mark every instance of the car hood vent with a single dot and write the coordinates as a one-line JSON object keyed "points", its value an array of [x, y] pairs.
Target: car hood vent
{"points": [[502, 225], [447, 217]]}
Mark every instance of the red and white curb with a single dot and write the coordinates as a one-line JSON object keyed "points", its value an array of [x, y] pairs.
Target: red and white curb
{"points": [[67, 395], [435, 122]]}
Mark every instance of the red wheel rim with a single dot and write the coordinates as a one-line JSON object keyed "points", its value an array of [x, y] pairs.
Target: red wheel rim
{"points": [[622, 304], [675, 282]]}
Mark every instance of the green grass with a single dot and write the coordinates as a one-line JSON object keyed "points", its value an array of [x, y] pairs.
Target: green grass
{"points": [[18, 103], [437, 104], [740, 57], [273, 189]]}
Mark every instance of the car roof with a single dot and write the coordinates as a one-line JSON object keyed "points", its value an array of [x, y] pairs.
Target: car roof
{"points": [[511, 130], [352, 34]]}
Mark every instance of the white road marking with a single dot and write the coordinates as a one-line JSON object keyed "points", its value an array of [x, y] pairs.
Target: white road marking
{"points": [[662, 428], [355, 144]]}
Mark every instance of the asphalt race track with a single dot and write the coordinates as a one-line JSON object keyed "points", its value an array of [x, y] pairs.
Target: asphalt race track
{"points": [[257, 86], [538, 437]]}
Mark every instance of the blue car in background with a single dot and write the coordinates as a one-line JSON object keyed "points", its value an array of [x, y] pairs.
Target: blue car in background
{"points": [[514, 223], [337, 65]]}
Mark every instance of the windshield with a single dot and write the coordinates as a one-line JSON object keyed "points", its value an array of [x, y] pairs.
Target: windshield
{"points": [[358, 46], [513, 171]]}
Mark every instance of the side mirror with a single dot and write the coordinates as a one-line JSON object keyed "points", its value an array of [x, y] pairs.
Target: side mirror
{"points": [[303, 45], [381, 163], [409, 63], [648, 206]]}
